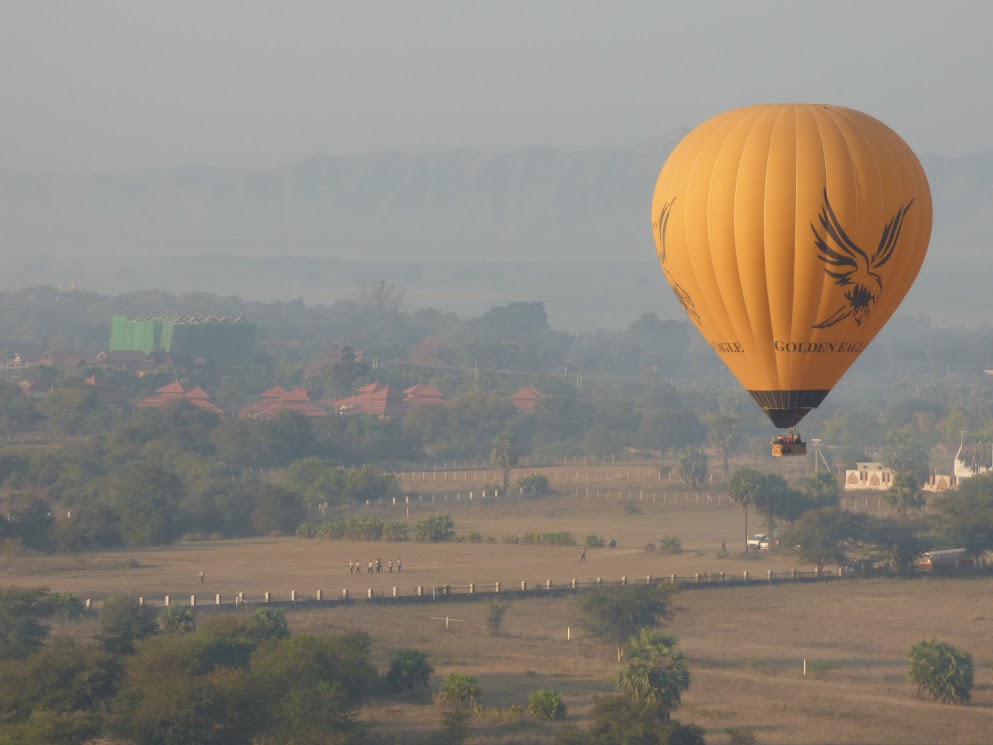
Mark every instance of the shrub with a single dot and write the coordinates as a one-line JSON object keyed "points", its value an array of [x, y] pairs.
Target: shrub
{"points": [[594, 541], [306, 530], [670, 544], [494, 616], [535, 484], [435, 529], [409, 669], [474, 536], [941, 672], [546, 704], [394, 531], [741, 736], [460, 690], [177, 619]]}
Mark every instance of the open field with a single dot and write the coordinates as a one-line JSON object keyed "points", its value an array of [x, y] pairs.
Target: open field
{"points": [[746, 645]]}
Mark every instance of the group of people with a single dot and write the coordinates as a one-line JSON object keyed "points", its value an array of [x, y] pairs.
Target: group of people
{"points": [[789, 438], [374, 566]]}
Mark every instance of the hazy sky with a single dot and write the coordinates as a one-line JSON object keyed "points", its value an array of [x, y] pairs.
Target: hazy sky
{"points": [[111, 86]]}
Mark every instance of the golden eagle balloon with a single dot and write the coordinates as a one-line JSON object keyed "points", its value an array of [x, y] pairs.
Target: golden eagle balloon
{"points": [[790, 233]]}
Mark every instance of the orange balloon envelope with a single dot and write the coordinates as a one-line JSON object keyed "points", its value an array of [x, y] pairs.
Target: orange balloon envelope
{"points": [[790, 233]]}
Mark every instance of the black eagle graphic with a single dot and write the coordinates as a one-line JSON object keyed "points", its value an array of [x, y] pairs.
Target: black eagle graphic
{"points": [[850, 266], [681, 295]]}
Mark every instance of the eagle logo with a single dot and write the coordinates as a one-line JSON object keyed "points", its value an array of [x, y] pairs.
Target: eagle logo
{"points": [[681, 295], [850, 266]]}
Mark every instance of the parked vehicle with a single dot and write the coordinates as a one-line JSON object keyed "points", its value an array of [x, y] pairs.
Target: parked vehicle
{"points": [[759, 541], [951, 558]]}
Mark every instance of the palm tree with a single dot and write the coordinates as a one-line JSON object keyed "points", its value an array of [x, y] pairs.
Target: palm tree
{"points": [[941, 672], [655, 673], [177, 619], [504, 455]]}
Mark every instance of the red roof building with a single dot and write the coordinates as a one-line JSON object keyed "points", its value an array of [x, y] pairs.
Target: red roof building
{"points": [[423, 394], [276, 400], [173, 392], [526, 399], [377, 399]]}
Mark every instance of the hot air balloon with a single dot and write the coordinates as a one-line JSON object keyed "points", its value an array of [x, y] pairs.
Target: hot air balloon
{"points": [[790, 233]]}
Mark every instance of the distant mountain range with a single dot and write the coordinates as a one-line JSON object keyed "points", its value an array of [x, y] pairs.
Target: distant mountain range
{"points": [[539, 204]]}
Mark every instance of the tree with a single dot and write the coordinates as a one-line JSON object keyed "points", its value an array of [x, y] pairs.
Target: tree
{"points": [[767, 493], [505, 455], [904, 455], [894, 541], [692, 463], [619, 720], [826, 536], [613, 614], [905, 493], [123, 621], [655, 672], [146, 500], [460, 690], [965, 516], [409, 669], [820, 489], [177, 619], [546, 704], [941, 672], [23, 612], [435, 529], [723, 435]]}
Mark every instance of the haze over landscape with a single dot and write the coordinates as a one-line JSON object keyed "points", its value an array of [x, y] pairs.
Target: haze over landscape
{"points": [[303, 152]]}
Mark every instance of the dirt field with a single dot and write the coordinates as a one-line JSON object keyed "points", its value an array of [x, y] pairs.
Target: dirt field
{"points": [[746, 646]]}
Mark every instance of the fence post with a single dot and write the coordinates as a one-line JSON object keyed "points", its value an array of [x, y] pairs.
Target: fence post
{"points": [[672, 578], [89, 604], [166, 601], [266, 596], [721, 576], [472, 588], [572, 584], [548, 584], [320, 595], [193, 601], [241, 597], [648, 580], [696, 577], [395, 594], [369, 593], [624, 580], [524, 585], [744, 576], [344, 594], [141, 601], [420, 591], [217, 599], [293, 596], [770, 576], [497, 586]]}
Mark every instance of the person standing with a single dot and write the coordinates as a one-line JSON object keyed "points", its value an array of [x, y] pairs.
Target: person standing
{"points": [[582, 555], [399, 564], [370, 566], [202, 576], [391, 565]]}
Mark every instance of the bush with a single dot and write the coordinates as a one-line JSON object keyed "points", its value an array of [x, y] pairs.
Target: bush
{"points": [[551, 539], [409, 670], [535, 484], [941, 672], [546, 704], [494, 615], [435, 529], [394, 532], [594, 541], [474, 536], [460, 690], [741, 736], [670, 544]]}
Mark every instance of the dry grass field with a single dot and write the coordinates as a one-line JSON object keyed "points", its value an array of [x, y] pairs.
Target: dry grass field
{"points": [[746, 645]]}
